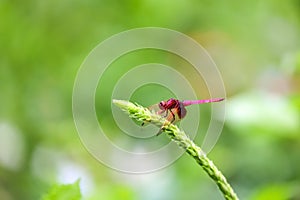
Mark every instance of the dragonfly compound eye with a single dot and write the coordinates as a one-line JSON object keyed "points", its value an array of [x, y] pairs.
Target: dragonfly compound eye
{"points": [[162, 105]]}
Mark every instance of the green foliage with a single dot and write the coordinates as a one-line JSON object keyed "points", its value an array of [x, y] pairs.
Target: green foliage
{"points": [[274, 192], [43, 43], [64, 192]]}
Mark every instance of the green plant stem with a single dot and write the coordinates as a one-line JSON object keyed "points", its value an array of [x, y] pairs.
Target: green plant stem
{"points": [[143, 114]]}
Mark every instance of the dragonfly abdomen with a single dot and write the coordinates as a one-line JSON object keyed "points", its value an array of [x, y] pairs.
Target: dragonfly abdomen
{"points": [[201, 101]]}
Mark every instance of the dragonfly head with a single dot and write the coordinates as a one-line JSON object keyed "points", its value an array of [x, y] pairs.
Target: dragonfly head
{"points": [[162, 105]]}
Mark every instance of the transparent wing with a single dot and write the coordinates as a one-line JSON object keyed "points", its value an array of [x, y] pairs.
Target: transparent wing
{"points": [[155, 109]]}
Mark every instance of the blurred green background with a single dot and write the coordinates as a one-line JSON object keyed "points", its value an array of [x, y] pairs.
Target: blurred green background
{"points": [[255, 44]]}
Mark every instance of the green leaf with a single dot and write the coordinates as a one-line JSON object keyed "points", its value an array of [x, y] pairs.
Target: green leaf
{"points": [[274, 192], [64, 192]]}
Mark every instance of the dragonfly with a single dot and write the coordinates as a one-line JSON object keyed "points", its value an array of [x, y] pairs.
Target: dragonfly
{"points": [[173, 110]]}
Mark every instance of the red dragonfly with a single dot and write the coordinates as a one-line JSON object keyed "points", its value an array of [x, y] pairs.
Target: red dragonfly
{"points": [[174, 110]]}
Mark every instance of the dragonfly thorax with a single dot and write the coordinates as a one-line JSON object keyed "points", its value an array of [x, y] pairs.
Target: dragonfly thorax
{"points": [[169, 104]]}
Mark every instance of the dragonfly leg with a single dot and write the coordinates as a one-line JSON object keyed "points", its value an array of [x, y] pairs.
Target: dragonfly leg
{"points": [[159, 132], [173, 116], [168, 121], [166, 114]]}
